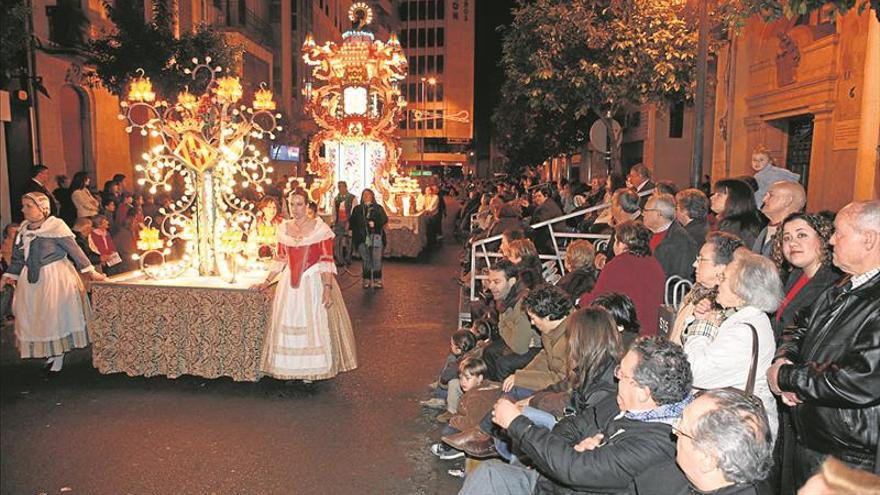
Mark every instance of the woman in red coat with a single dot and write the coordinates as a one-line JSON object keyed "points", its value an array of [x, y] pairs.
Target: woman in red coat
{"points": [[634, 272]]}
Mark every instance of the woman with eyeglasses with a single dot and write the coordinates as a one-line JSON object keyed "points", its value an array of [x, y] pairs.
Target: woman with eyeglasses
{"points": [[695, 313], [751, 288]]}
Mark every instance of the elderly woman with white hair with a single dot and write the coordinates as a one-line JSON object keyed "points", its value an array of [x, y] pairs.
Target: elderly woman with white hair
{"points": [[50, 301], [751, 286]]}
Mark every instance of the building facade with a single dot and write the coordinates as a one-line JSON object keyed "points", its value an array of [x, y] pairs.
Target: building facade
{"points": [[437, 37], [72, 125], [808, 89]]}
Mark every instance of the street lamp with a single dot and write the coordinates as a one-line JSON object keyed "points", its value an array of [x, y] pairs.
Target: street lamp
{"points": [[432, 81]]}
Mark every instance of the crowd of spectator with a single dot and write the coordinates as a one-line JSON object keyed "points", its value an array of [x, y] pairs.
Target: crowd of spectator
{"points": [[765, 380]]}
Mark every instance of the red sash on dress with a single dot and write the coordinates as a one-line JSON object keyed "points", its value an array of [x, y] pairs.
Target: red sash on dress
{"points": [[301, 258]]}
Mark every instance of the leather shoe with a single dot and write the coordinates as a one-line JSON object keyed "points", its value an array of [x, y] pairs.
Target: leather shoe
{"points": [[459, 440], [481, 449], [444, 417]]}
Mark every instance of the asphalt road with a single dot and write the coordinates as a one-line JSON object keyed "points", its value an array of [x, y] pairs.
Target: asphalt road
{"points": [[360, 433]]}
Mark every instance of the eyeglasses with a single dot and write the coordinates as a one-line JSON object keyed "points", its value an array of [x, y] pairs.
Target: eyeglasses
{"points": [[700, 259]]}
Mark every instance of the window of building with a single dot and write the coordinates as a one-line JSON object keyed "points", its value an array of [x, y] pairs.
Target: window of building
{"points": [[441, 38], [413, 38], [430, 66], [402, 37], [439, 124], [275, 11], [432, 9], [293, 15], [431, 33], [421, 64], [439, 92], [412, 64], [403, 10], [422, 36], [676, 120], [412, 91], [441, 7], [423, 10]]}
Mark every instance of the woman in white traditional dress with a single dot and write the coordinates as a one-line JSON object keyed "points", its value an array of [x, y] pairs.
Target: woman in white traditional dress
{"points": [[310, 336], [49, 303]]}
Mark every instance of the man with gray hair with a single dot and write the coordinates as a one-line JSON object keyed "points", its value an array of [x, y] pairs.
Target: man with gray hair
{"points": [[691, 209], [639, 179], [671, 244], [782, 199], [724, 443], [828, 366]]}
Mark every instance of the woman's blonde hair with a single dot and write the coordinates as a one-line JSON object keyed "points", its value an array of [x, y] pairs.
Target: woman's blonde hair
{"points": [[579, 254], [521, 248]]}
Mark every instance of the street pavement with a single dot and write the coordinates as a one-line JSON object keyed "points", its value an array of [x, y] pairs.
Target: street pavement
{"points": [[361, 433]]}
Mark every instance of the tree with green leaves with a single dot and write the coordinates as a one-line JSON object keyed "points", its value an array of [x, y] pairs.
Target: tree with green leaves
{"points": [[564, 59], [150, 45], [738, 11]]}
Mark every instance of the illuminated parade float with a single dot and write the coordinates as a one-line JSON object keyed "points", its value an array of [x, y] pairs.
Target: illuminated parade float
{"points": [[201, 163], [355, 99]]}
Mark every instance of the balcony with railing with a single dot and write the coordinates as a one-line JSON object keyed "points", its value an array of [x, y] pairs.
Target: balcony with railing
{"points": [[234, 15]]}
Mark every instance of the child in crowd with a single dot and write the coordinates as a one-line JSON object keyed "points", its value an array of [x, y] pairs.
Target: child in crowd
{"points": [[312, 210], [102, 243], [461, 342], [477, 393]]}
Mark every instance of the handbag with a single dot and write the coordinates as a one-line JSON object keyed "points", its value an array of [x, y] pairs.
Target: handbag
{"points": [[750, 382]]}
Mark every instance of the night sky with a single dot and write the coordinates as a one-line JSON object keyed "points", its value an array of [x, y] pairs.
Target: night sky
{"points": [[488, 76]]}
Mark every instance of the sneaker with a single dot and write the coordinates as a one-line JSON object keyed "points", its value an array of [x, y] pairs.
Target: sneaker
{"points": [[377, 284], [458, 473], [366, 284], [444, 452], [433, 403]]}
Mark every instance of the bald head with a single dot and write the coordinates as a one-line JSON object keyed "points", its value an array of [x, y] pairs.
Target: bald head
{"points": [[856, 237], [782, 199]]}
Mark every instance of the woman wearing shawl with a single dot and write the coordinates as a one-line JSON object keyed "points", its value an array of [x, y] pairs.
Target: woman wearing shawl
{"points": [[50, 303], [310, 336]]}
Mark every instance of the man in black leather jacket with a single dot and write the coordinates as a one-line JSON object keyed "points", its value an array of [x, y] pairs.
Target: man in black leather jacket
{"points": [[828, 367]]}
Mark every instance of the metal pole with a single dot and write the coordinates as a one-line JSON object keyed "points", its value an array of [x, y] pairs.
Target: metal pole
{"points": [[700, 101], [37, 142]]}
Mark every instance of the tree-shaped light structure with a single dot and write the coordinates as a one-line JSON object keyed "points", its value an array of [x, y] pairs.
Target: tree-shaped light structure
{"points": [[356, 101], [202, 160]]}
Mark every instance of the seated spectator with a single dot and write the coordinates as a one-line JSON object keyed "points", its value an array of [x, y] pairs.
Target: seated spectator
{"points": [[639, 179], [751, 284], [580, 274], [624, 207], [634, 452], [666, 187], [519, 342], [634, 272], [623, 311], [82, 229], [782, 199], [724, 443], [734, 204], [507, 237], [102, 242], [828, 364], [523, 254], [804, 249], [714, 256], [108, 211], [597, 222], [509, 217], [671, 244], [548, 308], [837, 478], [691, 208], [477, 396], [546, 208], [125, 240], [460, 343], [594, 349]]}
